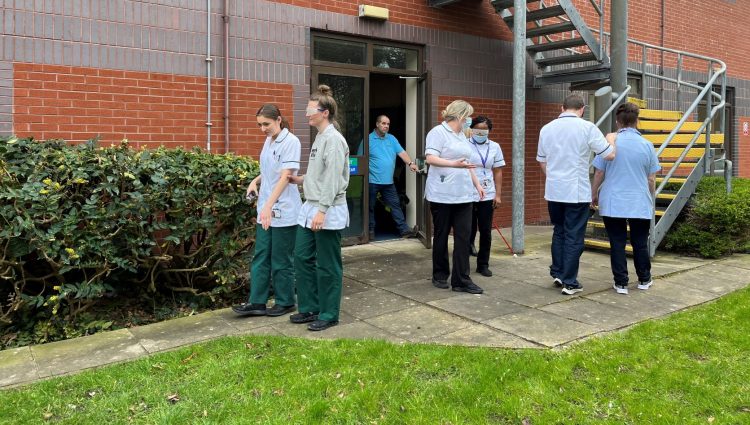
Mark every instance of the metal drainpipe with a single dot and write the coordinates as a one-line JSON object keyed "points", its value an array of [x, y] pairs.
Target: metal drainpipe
{"points": [[226, 76], [208, 74], [519, 123]]}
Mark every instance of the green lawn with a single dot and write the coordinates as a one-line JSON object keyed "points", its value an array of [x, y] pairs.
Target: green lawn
{"points": [[693, 367]]}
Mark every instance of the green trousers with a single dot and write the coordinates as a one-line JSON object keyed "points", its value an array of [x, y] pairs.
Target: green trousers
{"points": [[320, 274], [273, 261]]}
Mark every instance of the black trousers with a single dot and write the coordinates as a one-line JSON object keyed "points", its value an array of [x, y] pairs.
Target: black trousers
{"points": [[481, 221], [617, 230], [444, 218]]}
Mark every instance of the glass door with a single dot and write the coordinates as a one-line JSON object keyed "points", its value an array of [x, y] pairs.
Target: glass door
{"points": [[350, 91]]}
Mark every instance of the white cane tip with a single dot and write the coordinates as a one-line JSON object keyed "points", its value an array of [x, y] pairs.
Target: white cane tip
{"points": [[515, 255]]}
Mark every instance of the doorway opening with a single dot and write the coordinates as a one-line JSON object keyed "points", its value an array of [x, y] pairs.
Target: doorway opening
{"points": [[388, 97]]}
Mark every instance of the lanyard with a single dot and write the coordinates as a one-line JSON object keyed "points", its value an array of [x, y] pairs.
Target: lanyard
{"points": [[486, 154]]}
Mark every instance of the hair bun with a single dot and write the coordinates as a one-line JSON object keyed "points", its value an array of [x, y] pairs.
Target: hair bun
{"points": [[325, 90]]}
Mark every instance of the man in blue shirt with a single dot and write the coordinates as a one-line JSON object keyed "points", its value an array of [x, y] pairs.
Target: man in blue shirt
{"points": [[384, 148]]}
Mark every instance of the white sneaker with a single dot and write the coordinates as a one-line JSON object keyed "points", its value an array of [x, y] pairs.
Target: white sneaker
{"points": [[557, 282], [570, 290], [645, 285], [621, 289]]}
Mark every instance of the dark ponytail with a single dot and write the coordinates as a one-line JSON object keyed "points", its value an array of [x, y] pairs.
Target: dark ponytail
{"points": [[272, 112]]}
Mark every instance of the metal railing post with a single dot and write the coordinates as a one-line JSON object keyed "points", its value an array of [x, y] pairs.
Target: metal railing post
{"points": [[709, 164], [679, 81], [519, 124]]}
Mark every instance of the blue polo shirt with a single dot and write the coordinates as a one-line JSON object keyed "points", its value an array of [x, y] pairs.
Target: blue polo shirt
{"points": [[383, 152], [624, 192]]}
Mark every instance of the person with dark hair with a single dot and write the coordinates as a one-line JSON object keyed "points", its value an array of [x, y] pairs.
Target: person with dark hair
{"points": [[384, 149], [317, 255], [450, 189], [626, 198], [563, 154], [488, 158], [277, 205]]}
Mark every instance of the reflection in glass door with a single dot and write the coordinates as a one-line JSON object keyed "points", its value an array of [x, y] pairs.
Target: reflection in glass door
{"points": [[348, 89]]}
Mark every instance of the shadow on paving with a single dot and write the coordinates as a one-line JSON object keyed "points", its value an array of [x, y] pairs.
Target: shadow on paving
{"points": [[388, 295]]}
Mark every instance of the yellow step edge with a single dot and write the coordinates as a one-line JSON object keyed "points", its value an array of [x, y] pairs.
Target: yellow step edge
{"points": [[658, 139], [676, 180], [659, 213], [666, 126], [593, 243], [659, 115], [676, 152], [643, 104], [669, 165], [666, 196]]}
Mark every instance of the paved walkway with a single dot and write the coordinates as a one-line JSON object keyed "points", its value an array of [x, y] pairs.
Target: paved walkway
{"points": [[388, 295]]}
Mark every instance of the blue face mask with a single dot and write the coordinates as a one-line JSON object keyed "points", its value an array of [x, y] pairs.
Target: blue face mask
{"points": [[467, 123], [479, 136]]}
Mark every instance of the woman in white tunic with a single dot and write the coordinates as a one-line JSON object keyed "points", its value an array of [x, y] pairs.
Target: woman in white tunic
{"points": [[317, 255], [488, 157], [451, 189], [278, 204]]}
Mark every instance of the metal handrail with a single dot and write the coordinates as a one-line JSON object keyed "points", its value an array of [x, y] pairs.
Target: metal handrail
{"points": [[612, 107], [599, 10]]}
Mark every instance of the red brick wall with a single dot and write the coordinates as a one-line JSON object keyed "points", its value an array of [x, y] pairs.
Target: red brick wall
{"points": [[743, 157], [77, 103], [476, 17], [500, 112]]}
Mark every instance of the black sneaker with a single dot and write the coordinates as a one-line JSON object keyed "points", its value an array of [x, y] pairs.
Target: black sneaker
{"points": [[409, 234], [321, 325], [279, 310], [484, 271], [470, 288], [248, 309], [441, 284], [303, 317], [571, 290]]}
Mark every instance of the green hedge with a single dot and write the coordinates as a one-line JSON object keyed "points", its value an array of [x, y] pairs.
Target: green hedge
{"points": [[81, 224], [715, 223]]}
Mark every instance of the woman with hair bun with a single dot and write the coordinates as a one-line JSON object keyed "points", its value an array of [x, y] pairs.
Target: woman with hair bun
{"points": [[317, 255], [278, 204], [451, 189]]}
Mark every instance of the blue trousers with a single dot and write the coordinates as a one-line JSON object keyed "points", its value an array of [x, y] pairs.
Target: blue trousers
{"points": [[569, 220], [390, 198]]}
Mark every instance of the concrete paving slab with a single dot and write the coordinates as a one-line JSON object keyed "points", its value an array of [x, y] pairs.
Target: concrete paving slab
{"points": [[374, 303], [641, 305], [543, 328], [603, 316], [247, 324], [672, 289], [351, 286], [184, 330], [419, 323], [477, 307], [355, 329], [390, 269], [528, 295], [718, 278], [738, 260], [59, 358], [17, 366], [482, 336], [422, 291]]}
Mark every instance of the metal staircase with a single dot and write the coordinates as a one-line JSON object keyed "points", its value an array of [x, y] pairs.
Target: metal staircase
{"points": [[567, 51], [560, 42]]}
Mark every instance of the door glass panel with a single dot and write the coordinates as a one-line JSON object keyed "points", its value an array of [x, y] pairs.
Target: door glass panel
{"points": [[395, 57], [349, 93], [342, 51]]}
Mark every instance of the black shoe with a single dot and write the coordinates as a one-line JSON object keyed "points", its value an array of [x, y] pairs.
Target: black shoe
{"points": [[413, 233], [441, 284], [321, 325], [248, 309], [484, 271], [279, 310], [470, 288], [303, 317], [473, 250]]}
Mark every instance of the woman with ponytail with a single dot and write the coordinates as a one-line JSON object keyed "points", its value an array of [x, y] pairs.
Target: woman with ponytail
{"points": [[278, 204], [317, 255]]}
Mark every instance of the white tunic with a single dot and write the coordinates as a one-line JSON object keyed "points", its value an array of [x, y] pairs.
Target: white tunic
{"points": [[448, 185], [486, 157], [277, 155]]}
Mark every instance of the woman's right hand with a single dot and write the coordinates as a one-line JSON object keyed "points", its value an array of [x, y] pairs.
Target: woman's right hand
{"points": [[252, 188], [296, 179], [463, 163]]}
